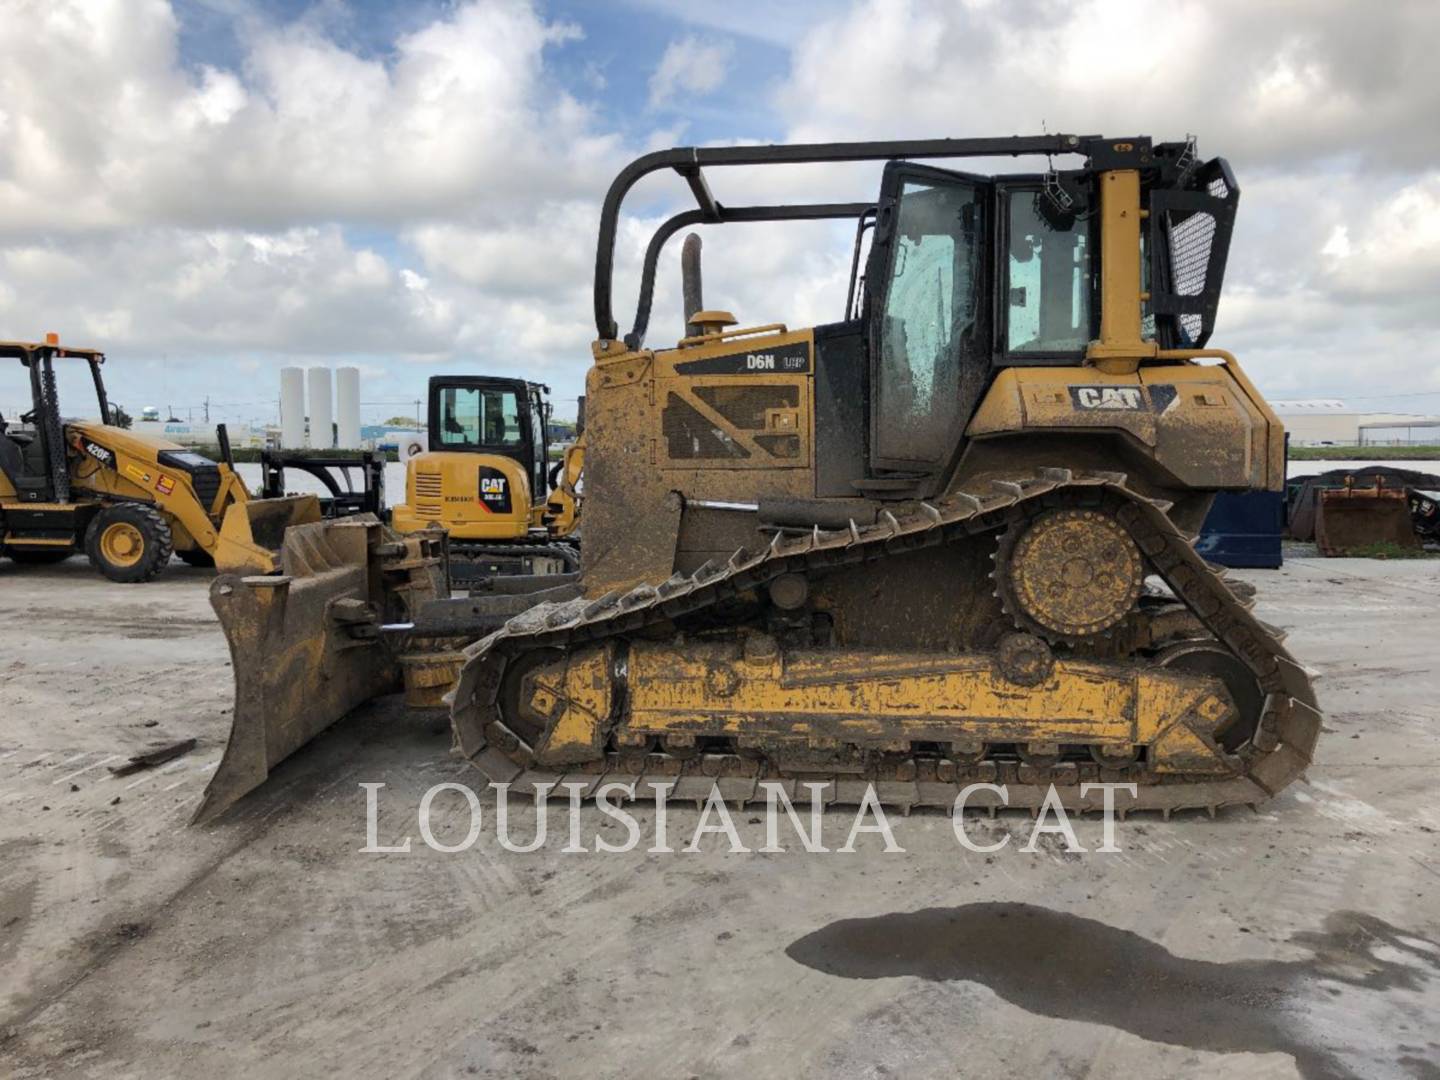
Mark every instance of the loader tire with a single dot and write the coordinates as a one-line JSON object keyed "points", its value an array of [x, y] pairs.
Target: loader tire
{"points": [[197, 556], [129, 543]]}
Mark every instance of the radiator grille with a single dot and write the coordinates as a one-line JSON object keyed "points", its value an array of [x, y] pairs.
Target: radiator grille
{"points": [[428, 495], [744, 406], [1190, 241], [206, 481], [689, 436]]}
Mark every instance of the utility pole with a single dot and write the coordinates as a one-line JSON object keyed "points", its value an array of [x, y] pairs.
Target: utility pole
{"points": [[207, 408], [417, 414]]}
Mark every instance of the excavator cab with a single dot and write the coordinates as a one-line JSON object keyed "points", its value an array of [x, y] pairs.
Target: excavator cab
{"points": [[486, 479]]}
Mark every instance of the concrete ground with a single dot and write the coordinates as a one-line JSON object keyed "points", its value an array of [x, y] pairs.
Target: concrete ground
{"points": [[1297, 941]]}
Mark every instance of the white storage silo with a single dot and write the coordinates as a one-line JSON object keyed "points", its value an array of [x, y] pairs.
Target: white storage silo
{"points": [[292, 408], [347, 408], [322, 410]]}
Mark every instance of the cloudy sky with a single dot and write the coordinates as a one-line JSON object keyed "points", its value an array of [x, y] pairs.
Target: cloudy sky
{"points": [[211, 189]]}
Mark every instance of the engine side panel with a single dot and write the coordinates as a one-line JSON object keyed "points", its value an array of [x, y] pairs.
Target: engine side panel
{"points": [[472, 496], [728, 422], [1199, 423]]}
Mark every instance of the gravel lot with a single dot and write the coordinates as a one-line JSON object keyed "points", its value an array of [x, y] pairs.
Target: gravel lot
{"points": [[1297, 941]]}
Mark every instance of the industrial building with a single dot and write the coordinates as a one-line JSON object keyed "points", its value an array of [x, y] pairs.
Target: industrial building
{"points": [[1333, 422]]}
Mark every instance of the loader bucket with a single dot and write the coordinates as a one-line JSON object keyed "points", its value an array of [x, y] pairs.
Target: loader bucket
{"points": [[253, 531], [1353, 520], [305, 644]]}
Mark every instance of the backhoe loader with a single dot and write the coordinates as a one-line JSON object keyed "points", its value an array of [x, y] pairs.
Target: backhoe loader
{"points": [[128, 501], [945, 540]]}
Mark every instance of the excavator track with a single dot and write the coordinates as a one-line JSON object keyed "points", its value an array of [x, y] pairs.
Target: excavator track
{"points": [[1278, 751]]}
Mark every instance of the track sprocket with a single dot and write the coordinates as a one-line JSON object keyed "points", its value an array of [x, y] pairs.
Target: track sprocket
{"points": [[1069, 575]]}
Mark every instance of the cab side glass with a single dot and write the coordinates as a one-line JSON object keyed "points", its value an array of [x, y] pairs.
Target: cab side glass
{"points": [[932, 301], [1049, 281]]}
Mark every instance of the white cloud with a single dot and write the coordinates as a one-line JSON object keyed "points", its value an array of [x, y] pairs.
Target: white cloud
{"points": [[304, 290], [518, 256], [692, 66], [1268, 83], [1325, 110], [109, 129], [435, 200], [1390, 255], [149, 205]]}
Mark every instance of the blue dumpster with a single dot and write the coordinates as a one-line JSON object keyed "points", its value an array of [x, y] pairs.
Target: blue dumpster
{"points": [[1243, 529]]}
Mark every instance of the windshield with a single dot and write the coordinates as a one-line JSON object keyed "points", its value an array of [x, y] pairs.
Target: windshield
{"points": [[1049, 308], [931, 304], [471, 416]]}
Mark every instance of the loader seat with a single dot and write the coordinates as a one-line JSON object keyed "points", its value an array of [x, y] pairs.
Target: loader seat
{"points": [[12, 460], [32, 456]]}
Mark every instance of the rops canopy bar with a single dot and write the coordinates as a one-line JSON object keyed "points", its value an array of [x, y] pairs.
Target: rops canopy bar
{"points": [[689, 162], [722, 215]]}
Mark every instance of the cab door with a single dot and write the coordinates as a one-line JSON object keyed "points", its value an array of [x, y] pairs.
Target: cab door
{"points": [[928, 312], [539, 446]]}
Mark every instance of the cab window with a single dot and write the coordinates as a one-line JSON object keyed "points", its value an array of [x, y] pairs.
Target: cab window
{"points": [[1049, 281], [479, 417]]}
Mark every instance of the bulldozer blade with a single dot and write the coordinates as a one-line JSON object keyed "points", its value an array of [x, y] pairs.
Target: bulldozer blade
{"points": [[1354, 519], [305, 646], [253, 532]]}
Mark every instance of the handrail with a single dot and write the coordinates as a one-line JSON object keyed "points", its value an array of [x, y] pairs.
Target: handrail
{"points": [[689, 161], [739, 331], [808, 212]]}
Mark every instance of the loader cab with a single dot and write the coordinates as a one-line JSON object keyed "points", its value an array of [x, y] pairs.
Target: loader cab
{"points": [[486, 415], [32, 444]]}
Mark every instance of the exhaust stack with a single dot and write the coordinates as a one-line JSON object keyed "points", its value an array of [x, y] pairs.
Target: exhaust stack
{"points": [[690, 283]]}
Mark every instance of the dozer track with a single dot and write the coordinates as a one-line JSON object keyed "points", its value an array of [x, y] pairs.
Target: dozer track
{"points": [[619, 630]]}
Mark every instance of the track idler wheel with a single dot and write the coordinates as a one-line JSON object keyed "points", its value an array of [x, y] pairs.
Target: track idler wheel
{"points": [[1213, 659], [1069, 575]]}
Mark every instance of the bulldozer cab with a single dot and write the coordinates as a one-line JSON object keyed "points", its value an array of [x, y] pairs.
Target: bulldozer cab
{"points": [[32, 454], [483, 414], [968, 274]]}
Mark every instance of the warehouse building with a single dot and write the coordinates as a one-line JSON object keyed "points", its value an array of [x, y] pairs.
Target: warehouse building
{"points": [[1332, 422]]}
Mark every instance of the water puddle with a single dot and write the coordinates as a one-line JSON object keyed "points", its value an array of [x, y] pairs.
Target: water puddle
{"points": [[1325, 1011]]}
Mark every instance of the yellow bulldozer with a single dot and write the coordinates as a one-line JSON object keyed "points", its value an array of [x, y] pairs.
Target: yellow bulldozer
{"points": [[945, 540], [128, 501], [486, 478]]}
